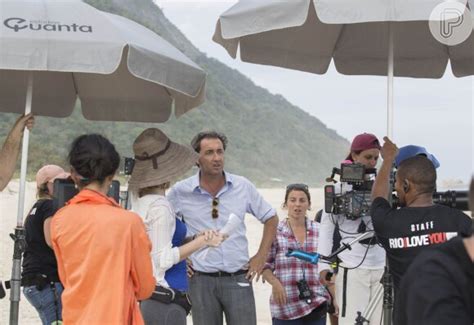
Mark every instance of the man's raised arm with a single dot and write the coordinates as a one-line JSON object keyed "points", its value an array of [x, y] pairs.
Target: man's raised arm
{"points": [[381, 187]]}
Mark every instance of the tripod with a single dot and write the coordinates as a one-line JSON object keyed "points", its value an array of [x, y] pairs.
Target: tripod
{"points": [[385, 291], [15, 282], [370, 308]]}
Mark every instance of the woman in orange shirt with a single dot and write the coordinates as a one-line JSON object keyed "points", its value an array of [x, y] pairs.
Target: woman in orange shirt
{"points": [[102, 250]]}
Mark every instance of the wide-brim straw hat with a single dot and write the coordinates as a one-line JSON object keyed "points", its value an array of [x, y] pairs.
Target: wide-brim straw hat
{"points": [[159, 160]]}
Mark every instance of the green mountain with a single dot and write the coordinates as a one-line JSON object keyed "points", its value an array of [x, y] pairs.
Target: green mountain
{"points": [[271, 141]]}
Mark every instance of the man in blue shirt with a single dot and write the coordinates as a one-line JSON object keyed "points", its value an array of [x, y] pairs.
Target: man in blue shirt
{"points": [[222, 279]]}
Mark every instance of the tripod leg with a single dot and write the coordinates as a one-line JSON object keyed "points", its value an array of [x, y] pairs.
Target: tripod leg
{"points": [[2, 291], [387, 297], [19, 248], [364, 317]]}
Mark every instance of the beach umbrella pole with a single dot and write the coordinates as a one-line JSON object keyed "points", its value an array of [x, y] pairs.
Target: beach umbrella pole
{"points": [[19, 235], [390, 83], [387, 281]]}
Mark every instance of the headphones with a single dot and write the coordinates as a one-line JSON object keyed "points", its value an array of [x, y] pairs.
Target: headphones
{"points": [[406, 186]]}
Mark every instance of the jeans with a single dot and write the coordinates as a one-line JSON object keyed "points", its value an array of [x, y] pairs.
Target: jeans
{"points": [[47, 302]]}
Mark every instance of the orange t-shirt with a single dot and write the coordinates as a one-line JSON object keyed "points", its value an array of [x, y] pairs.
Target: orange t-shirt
{"points": [[104, 263]]}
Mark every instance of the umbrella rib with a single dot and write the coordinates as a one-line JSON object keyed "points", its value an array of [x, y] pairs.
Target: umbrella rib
{"points": [[75, 86], [336, 44]]}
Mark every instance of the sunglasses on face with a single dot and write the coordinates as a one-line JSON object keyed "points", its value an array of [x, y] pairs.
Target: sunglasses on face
{"points": [[215, 212], [297, 187]]}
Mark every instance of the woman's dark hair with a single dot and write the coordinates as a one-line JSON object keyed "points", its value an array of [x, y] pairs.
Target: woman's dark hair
{"points": [[93, 157], [349, 155], [297, 187]]}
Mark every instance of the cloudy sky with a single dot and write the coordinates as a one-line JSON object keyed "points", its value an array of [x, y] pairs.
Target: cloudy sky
{"points": [[437, 114]]}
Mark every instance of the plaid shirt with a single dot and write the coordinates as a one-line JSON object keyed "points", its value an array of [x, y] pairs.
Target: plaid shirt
{"points": [[289, 270]]}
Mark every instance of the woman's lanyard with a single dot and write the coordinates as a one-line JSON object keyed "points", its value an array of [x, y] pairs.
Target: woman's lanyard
{"points": [[297, 242]]}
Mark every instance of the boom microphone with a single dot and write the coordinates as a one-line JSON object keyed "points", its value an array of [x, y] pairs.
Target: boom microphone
{"points": [[310, 257]]}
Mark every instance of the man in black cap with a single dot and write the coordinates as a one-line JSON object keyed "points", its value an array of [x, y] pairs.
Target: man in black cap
{"points": [[438, 287]]}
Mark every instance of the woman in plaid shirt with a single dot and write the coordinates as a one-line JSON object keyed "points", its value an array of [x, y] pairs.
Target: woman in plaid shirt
{"points": [[298, 297]]}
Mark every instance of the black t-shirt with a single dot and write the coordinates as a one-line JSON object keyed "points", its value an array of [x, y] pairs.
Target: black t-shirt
{"points": [[405, 232], [38, 257], [438, 288]]}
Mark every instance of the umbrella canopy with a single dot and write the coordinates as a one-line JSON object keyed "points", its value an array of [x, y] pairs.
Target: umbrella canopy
{"points": [[120, 70], [54, 51], [307, 34]]}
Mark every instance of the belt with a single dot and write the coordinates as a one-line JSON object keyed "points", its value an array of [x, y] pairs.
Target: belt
{"points": [[37, 280], [219, 274]]}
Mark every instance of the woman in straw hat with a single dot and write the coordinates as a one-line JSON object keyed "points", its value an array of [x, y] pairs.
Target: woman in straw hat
{"points": [[39, 277], [158, 161]]}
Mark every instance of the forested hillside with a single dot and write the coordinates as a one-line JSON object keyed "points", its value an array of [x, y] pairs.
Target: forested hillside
{"points": [[271, 141]]}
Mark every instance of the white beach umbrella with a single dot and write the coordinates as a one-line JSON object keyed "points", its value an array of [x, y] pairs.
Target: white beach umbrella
{"points": [[55, 51], [120, 70], [364, 37]]}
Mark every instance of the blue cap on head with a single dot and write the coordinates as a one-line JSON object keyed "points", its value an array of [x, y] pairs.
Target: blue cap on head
{"points": [[412, 151]]}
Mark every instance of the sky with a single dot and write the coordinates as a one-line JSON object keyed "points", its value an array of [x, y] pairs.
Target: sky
{"points": [[435, 113]]}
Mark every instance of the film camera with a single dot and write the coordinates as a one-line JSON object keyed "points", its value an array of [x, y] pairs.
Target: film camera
{"points": [[353, 198], [65, 189], [453, 199]]}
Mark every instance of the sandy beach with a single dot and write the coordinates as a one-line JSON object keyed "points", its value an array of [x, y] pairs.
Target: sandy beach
{"points": [[28, 316]]}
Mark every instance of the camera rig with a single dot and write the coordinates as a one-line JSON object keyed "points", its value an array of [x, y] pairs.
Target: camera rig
{"points": [[354, 202], [353, 199]]}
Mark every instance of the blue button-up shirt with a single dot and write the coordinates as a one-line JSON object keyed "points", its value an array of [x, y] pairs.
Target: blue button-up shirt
{"points": [[238, 196]]}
